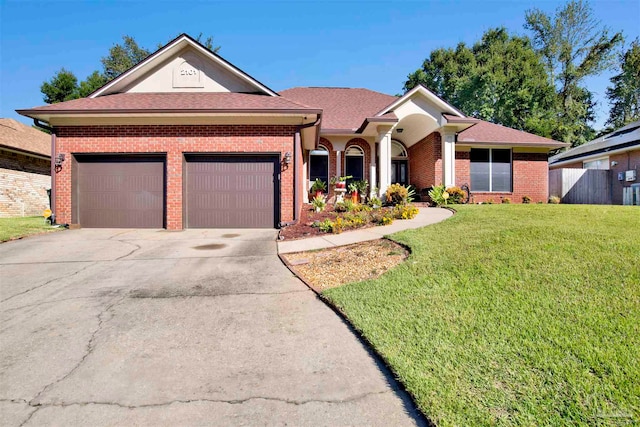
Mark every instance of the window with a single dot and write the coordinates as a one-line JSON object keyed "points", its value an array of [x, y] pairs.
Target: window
{"points": [[319, 164], [602, 164], [491, 170], [354, 163], [397, 150]]}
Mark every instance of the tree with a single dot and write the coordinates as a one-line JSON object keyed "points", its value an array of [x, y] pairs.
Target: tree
{"points": [[122, 57], [61, 87], [574, 45], [92, 83], [500, 79], [624, 95]]}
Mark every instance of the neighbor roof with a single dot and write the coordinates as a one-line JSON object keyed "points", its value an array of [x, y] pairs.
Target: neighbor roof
{"points": [[626, 137], [172, 102], [490, 133], [344, 108], [18, 136]]}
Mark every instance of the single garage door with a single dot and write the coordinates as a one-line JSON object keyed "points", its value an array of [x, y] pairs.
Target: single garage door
{"points": [[231, 192], [120, 192]]}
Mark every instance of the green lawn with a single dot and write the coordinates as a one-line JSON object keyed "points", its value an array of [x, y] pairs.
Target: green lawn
{"points": [[513, 315], [14, 228]]}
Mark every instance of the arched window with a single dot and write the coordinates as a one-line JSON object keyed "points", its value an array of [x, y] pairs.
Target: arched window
{"points": [[354, 163], [398, 150], [319, 164]]}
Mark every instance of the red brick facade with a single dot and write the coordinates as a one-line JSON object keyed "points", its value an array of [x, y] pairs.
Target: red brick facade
{"points": [[425, 162], [174, 141]]}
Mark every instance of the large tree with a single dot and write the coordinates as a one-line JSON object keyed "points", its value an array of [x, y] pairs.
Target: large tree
{"points": [[64, 86], [574, 45], [624, 95], [500, 79]]}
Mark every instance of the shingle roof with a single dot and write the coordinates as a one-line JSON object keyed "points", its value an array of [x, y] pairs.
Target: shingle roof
{"points": [[485, 132], [170, 102], [19, 136], [626, 137], [344, 108]]}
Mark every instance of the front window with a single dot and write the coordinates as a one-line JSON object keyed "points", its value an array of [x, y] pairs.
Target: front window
{"points": [[354, 163], [319, 165], [491, 170]]}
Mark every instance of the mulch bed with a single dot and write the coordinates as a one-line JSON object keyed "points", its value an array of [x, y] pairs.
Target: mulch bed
{"points": [[328, 268]]}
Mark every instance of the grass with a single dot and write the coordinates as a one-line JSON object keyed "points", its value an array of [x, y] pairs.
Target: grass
{"points": [[513, 315], [15, 228]]}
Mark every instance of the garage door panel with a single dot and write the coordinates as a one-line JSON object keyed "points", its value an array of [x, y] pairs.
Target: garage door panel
{"points": [[120, 194], [231, 193]]}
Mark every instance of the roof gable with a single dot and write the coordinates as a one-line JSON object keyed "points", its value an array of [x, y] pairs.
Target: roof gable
{"points": [[183, 65]]}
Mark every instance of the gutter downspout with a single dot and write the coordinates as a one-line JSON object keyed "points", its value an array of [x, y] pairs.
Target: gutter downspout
{"points": [[52, 206], [297, 145]]}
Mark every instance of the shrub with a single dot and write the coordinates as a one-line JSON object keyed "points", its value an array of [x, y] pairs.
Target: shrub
{"points": [[344, 206], [325, 226], [405, 211], [337, 226], [319, 185], [319, 203], [506, 200], [375, 202], [381, 217], [439, 195], [554, 200], [456, 195], [361, 208], [396, 194], [526, 199]]}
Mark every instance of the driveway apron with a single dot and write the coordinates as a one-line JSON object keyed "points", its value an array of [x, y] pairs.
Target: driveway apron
{"points": [[200, 327]]}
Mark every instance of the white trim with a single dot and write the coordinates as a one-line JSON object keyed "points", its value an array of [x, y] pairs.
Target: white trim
{"points": [[159, 55], [429, 95]]}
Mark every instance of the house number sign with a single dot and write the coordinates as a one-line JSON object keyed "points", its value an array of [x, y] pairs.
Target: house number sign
{"points": [[187, 74]]}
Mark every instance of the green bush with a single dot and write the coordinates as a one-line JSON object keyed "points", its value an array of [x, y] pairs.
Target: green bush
{"points": [[439, 195], [319, 203], [406, 211], [396, 194], [345, 206]]}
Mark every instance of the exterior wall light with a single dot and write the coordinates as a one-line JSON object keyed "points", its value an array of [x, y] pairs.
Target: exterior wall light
{"points": [[58, 162], [400, 130], [287, 158], [614, 163]]}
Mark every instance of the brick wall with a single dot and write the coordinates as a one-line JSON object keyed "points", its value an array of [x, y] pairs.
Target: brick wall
{"points": [[24, 181], [425, 162], [174, 140], [626, 161], [530, 178]]}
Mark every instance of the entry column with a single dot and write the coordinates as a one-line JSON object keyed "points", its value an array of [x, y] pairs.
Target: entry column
{"points": [[384, 156]]}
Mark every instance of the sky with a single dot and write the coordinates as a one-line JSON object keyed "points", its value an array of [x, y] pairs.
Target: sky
{"points": [[370, 44]]}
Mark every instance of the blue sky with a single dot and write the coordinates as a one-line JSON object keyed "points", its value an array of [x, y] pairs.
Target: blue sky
{"points": [[371, 44]]}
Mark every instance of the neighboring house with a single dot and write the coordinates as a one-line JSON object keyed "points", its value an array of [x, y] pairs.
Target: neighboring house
{"points": [[25, 169], [185, 139], [617, 152]]}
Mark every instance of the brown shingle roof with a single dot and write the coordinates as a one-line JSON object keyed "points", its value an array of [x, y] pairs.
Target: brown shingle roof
{"points": [[344, 108], [19, 136], [170, 102], [485, 132]]}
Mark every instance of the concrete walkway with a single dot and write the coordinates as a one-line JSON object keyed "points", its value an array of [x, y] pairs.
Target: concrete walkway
{"points": [[426, 216]]}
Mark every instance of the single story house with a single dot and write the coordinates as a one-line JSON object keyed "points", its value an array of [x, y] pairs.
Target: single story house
{"points": [[25, 169], [617, 152], [186, 139]]}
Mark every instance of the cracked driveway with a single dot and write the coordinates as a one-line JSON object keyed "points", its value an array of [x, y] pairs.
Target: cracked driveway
{"points": [[200, 327]]}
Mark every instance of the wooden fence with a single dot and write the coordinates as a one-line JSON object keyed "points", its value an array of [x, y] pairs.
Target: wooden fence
{"points": [[581, 186]]}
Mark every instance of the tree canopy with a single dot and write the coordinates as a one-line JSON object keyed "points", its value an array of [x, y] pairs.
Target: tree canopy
{"points": [[624, 94], [64, 86], [500, 79], [574, 45]]}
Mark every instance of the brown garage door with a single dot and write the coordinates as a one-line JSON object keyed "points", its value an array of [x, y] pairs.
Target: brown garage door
{"points": [[119, 192], [231, 192]]}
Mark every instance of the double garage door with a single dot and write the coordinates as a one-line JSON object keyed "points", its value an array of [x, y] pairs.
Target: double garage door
{"points": [[218, 192]]}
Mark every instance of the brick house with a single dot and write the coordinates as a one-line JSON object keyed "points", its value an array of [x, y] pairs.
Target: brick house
{"points": [[618, 152], [25, 169], [185, 139]]}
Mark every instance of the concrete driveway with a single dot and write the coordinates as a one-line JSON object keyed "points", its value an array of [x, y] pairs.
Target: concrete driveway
{"points": [[200, 327]]}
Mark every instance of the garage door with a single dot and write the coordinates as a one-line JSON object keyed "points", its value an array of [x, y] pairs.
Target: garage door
{"points": [[119, 192], [231, 192]]}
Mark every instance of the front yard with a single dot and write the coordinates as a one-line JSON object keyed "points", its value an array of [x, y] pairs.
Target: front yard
{"points": [[16, 228], [513, 315]]}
